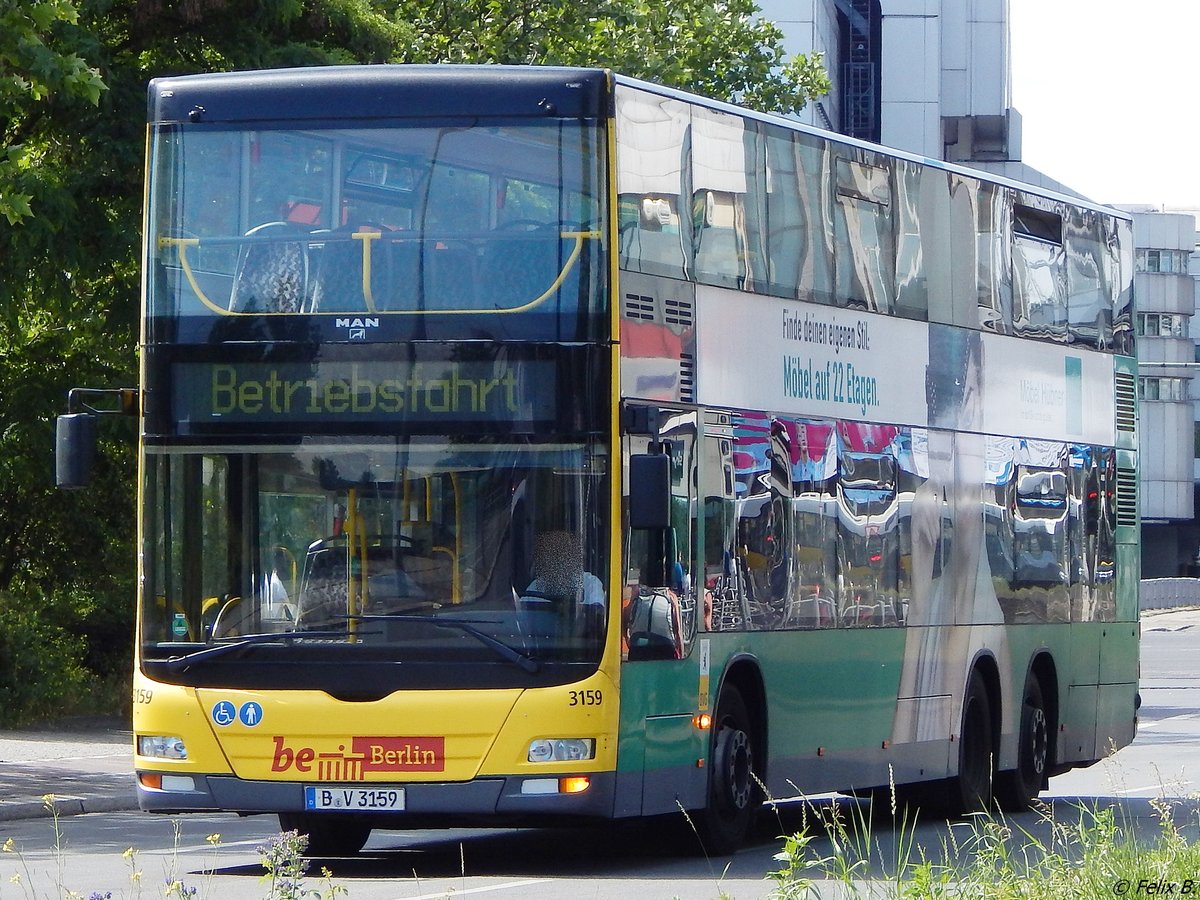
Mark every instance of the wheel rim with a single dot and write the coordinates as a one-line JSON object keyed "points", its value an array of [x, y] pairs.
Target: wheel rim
{"points": [[1039, 741], [739, 767]]}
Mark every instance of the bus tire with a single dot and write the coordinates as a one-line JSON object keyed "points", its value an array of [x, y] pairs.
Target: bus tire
{"points": [[1017, 789], [328, 835], [734, 794], [971, 789]]}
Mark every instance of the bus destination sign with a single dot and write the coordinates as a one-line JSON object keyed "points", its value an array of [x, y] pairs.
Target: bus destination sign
{"points": [[425, 392]]}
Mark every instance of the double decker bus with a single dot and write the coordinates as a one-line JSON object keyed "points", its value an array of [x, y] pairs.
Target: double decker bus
{"points": [[532, 445]]}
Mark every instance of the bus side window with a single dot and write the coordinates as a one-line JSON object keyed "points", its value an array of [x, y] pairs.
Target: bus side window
{"points": [[651, 156], [650, 237]]}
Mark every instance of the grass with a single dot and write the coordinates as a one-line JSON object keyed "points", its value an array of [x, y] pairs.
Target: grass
{"points": [[1094, 852]]}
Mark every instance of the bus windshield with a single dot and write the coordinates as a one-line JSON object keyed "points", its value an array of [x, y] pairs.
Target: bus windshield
{"points": [[448, 229], [439, 557]]}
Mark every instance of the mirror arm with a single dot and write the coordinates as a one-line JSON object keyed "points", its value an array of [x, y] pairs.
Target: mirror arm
{"points": [[80, 400]]}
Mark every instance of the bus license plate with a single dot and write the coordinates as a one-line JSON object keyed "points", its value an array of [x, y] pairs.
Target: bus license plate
{"points": [[357, 798]]}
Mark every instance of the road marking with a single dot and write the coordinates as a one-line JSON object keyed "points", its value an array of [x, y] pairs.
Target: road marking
{"points": [[442, 895], [1158, 722], [1157, 787]]}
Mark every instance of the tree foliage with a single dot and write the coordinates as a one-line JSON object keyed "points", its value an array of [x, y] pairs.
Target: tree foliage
{"points": [[73, 76], [36, 71], [719, 49]]}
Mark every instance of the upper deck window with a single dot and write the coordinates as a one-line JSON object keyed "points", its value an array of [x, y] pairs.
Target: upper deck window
{"points": [[476, 230], [1037, 224]]}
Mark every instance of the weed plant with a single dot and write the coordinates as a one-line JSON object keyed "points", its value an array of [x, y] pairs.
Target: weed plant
{"points": [[1091, 854], [284, 871]]}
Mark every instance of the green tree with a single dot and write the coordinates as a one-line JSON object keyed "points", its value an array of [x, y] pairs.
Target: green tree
{"points": [[720, 49], [72, 113], [35, 72], [53, 325]]}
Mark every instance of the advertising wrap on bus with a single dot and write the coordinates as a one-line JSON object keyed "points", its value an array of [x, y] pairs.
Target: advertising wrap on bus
{"points": [[847, 363]]}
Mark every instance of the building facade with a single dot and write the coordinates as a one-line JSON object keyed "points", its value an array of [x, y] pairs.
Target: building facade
{"points": [[1166, 301]]}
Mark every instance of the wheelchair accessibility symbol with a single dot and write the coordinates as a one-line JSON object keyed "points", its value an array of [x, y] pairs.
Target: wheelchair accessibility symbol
{"points": [[224, 713]]}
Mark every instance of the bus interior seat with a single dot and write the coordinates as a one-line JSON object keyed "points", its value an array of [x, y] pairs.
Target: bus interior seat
{"points": [[338, 282], [272, 274], [450, 277], [522, 269], [812, 611], [323, 595]]}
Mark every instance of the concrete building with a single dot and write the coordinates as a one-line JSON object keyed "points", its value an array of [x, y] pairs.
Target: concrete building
{"points": [[934, 77], [1165, 294]]}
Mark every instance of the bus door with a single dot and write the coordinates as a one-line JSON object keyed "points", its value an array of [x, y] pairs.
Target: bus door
{"points": [[662, 685]]}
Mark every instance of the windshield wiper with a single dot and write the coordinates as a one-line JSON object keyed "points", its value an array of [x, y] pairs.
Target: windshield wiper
{"points": [[179, 663], [501, 649]]}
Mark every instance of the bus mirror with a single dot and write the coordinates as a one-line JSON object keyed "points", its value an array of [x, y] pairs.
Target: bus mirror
{"points": [[649, 490], [74, 449]]}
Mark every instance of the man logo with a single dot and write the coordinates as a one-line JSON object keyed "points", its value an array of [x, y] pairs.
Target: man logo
{"points": [[358, 326]]}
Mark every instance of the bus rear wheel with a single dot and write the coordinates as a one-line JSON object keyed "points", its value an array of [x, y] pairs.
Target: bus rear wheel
{"points": [[971, 789], [1017, 789], [734, 794], [328, 835]]}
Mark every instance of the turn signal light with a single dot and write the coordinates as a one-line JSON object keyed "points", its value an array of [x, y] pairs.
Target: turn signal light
{"points": [[576, 784]]}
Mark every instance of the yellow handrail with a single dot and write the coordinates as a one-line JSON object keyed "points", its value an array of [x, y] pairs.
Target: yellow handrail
{"points": [[356, 547], [366, 237], [180, 245]]}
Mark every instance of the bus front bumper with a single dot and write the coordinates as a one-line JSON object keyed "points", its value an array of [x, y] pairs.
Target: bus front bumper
{"points": [[501, 799]]}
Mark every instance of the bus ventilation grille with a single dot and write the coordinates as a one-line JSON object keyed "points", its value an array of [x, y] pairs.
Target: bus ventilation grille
{"points": [[639, 306], [1126, 496], [678, 312], [1126, 394], [687, 378]]}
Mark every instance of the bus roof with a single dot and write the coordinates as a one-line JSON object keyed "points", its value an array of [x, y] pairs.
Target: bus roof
{"points": [[835, 137], [380, 92]]}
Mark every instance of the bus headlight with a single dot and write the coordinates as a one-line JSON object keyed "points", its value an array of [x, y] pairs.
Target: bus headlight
{"points": [[562, 750], [161, 747]]}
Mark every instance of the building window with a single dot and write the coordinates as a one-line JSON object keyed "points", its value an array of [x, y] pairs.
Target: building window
{"points": [[1162, 325], [1166, 261], [1163, 388]]}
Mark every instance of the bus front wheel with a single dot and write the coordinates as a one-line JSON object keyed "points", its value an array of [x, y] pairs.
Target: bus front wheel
{"points": [[734, 794], [328, 835]]}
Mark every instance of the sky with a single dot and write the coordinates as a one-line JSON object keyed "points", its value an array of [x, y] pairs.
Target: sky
{"points": [[1107, 94]]}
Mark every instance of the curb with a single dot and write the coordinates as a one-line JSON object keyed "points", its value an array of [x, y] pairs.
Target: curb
{"points": [[33, 793], [64, 806]]}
